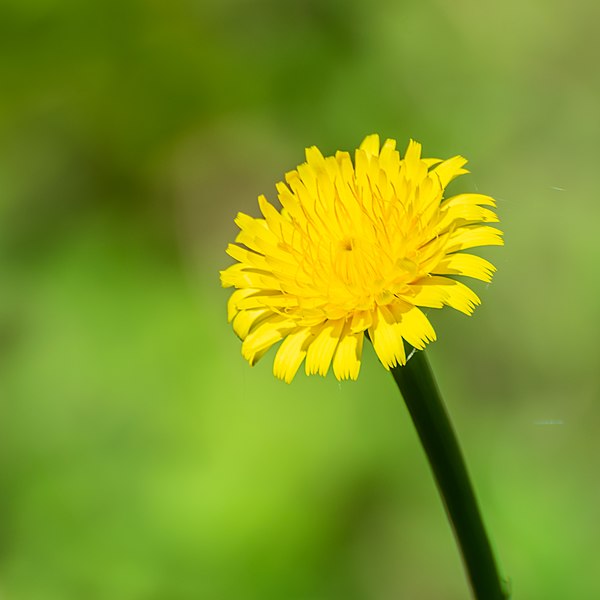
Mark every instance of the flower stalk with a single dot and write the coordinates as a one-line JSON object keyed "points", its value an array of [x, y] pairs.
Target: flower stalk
{"points": [[424, 402]]}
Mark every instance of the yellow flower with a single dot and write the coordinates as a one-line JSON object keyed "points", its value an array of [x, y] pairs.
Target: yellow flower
{"points": [[355, 248]]}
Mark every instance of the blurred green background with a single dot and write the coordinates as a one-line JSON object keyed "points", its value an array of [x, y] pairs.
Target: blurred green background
{"points": [[140, 457]]}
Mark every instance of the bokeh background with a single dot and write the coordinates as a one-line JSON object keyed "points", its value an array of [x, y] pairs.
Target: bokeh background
{"points": [[140, 457]]}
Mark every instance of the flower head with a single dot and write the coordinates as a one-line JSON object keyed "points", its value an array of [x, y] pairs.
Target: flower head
{"points": [[356, 247]]}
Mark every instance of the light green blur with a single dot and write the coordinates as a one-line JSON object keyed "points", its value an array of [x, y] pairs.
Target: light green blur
{"points": [[140, 457]]}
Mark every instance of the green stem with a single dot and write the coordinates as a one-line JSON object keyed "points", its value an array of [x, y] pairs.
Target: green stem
{"points": [[418, 387]]}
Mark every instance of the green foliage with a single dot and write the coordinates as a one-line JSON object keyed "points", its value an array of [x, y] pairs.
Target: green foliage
{"points": [[140, 457]]}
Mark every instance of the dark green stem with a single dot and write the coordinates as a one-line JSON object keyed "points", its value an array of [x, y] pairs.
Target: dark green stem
{"points": [[425, 405]]}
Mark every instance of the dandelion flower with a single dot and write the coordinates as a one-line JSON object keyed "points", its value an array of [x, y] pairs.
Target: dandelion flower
{"points": [[356, 247]]}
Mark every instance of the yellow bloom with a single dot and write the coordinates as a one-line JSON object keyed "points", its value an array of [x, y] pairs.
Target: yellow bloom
{"points": [[355, 248]]}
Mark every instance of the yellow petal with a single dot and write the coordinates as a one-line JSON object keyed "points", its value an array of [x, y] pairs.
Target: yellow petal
{"points": [[450, 169], [371, 144], [465, 264], [425, 292], [456, 294], [361, 321], [264, 336], [387, 338], [246, 276], [314, 157], [321, 350], [466, 212], [291, 353], [272, 217], [472, 236], [346, 362], [414, 325], [308, 176], [247, 257], [231, 275], [254, 229], [262, 298], [289, 201], [413, 152], [247, 320], [431, 162], [233, 304], [435, 291], [469, 199]]}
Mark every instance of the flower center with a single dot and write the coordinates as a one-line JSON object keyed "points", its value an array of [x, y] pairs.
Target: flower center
{"points": [[347, 244]]}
